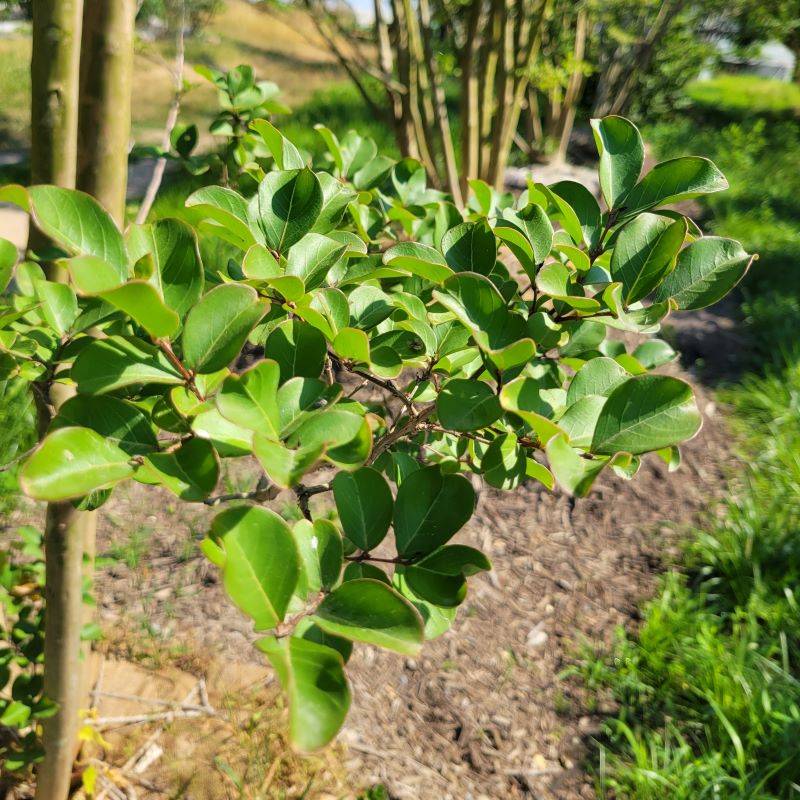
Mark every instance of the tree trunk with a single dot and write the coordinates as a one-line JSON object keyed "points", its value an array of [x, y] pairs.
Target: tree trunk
{"points": [[105, 107]]}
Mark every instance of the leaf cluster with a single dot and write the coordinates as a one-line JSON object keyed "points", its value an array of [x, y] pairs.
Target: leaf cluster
{"points": [[364, 341]]}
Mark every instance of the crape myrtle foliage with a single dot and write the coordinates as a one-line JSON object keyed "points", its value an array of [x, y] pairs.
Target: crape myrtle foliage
{"points": [[353, 279]]}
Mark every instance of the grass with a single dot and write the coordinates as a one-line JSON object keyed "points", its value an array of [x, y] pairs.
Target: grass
{"points": [[745, 95], [17, 424], [708, 691]]}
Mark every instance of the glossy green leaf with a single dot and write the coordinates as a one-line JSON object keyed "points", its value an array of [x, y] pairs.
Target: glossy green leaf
{"points": [[8, 259], [705, 272], [79, 224], [178, 270], [301, 398], [647, 412], [586, 209], [320, 547], [675, 180], [312, 257], [118, 361], [142, 303], [574, 473], [365, 505], [366, 610], [227, 209], [654, 353], [299, 349], [72, 462], [191, 472], [470, 247], [217, 326], [286, 155], [599, 376], [120, 423], [313, 676], [465, 405], [430, 508], [286, 207], [621, 150], [644, 254], [251, 399], [59, 305], [261, 564], [580, 420], [418, 259], [285, 466]]}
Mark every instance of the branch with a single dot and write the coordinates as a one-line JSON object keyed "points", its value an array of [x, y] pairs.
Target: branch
{"points": [[263, 492]]}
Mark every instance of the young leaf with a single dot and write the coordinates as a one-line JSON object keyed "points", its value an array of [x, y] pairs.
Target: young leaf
{"points": [[430, 508], [59, 304], [621, 150], [312, 257], [647, 412], [585, 206], [365, 610], [261, 566], [285, 466], [705, 272], [418, 259], [72, 462], [227, 209], [8, 258], [365, 505], [312, 674], [218, 325], [320, 547], [286, 155]]}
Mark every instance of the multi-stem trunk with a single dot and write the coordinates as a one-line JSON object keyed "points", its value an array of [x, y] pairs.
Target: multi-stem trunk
{"points": [[55, 65], [105, 109]]}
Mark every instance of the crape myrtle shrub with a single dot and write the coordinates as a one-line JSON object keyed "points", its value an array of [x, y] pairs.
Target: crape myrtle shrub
{"points": [[361, 277]]}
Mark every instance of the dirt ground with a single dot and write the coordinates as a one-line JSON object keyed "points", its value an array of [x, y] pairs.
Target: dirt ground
{"points": [[483, 713]]}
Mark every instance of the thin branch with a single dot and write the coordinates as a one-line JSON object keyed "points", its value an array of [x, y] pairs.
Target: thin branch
{"points": [[263, 492], [9, 464], [172, 120]]}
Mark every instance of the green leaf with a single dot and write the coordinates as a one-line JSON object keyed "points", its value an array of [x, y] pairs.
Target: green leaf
{"points": [[250, 399], [644, 254], [8, 259], [470, 247], [574, 473], [191, 472], [580, 419], [120, 423], [313, 676], [299, 349], [59, 305], [286, 155], [418, 259], [365, 505], [647, 412], [227, 438], [599, 376], [373, 173], [705, 272], [118, 361], [534, 223], [332, 428], [178, 270], [674, 180], [483, 194], [301, 398], [286, 207], [217, 326], [523, 397], [142, 303], [320, 547], [654, 353], [365, 610], [332, 145], [285, 466], [16, 714], [553, 279], [335, 199], [312, 257], [466, 405], [261, 563], [621, 150], [227, 209], [504, 463], [352, 344], [72, 462], [430, 508], [79, 224], [586, 209], [436, 618]]}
